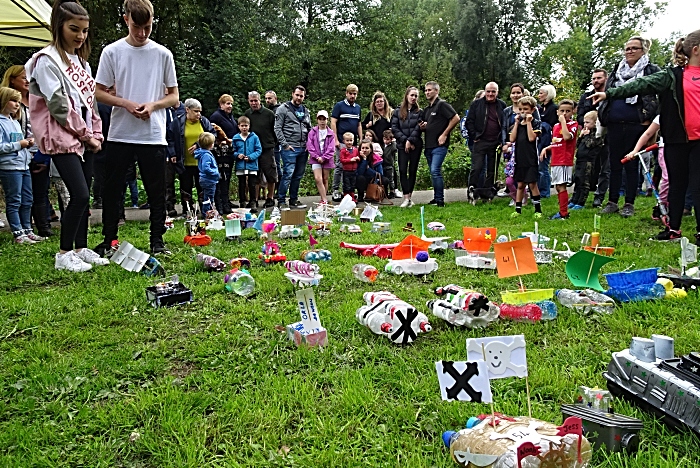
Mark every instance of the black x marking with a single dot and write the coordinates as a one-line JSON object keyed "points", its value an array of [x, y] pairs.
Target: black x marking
{"points": [[478, 304], [405, 329], [462, 380]]}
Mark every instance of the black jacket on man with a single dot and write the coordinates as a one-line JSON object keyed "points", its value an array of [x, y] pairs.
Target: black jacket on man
{"points": [[585, 105], [476, 120]]}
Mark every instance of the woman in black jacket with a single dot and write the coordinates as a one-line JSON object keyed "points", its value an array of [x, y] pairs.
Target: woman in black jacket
{"points": [[679, 108], [378, 118], [404, 125], [626, 121]]}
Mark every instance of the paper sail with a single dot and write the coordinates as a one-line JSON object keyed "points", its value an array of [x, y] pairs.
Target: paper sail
{"points": [[233, 227], [312, 241], [689, 252], [525, 450], [464, 381], [258, 226], [515, 258], [479, 239], [583, 268], [572, 425], [505, 355], [409, 247]]}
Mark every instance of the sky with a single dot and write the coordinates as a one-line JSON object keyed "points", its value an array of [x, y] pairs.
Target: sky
{"points": [[680, 15]]}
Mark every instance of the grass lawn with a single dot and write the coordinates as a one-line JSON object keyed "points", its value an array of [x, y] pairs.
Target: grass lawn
{"points": [[91, 375]]}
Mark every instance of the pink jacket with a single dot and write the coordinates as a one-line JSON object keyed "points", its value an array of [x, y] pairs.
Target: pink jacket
{"points": [[58, 127], [314, 148]]}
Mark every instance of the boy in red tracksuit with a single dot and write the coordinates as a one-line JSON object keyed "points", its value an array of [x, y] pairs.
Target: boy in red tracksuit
{"points": [[563, 148], [349, 157]]}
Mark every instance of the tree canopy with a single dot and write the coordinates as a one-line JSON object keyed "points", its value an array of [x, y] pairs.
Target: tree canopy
{"points": [[236, 46]]}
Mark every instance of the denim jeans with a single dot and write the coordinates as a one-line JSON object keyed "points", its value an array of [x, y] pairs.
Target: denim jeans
{"points": [[435, 157], [134, 189], [545, 182], [278, 161], [17, 186], [293, 167], [208, 191]]}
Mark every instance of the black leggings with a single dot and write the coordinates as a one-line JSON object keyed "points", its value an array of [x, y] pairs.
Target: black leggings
{"points": [[408, 168], [621, 140], [76, 174], [188, 181], [683, 166], [40, 190]]}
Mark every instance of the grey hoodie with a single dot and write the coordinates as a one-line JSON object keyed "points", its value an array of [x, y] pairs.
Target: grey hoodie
{"points": [[289, 130]]}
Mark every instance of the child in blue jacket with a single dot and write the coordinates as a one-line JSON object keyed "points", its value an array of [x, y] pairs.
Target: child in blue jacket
{"points": [[208, 169], [246, 151], [14, 168]]}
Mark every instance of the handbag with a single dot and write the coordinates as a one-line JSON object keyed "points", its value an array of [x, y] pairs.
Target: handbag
{"points": [[375, 190]]}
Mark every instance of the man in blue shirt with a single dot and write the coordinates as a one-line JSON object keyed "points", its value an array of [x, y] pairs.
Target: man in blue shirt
{"points": [[345, 118]]}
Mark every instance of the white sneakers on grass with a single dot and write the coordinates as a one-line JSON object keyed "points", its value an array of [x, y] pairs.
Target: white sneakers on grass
{"points": [[71, 262], [407, 203], [79, 261], [91, 257]]}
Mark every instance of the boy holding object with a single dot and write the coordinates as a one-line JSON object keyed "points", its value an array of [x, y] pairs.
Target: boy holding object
{"points": [[563, 148], [524, 134]]}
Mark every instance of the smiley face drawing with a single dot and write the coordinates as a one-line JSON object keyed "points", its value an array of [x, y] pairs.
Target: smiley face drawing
{"points": [[498, 355]]}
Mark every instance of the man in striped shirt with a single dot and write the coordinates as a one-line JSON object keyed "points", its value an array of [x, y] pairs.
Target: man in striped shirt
{"points": [[345, 118]]}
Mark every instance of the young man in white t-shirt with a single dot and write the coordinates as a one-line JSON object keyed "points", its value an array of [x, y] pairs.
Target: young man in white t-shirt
{"points": [[140, 71]]}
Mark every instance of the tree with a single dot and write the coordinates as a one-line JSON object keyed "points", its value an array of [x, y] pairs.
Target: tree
{"points": [[597, 31], [489, 41]]}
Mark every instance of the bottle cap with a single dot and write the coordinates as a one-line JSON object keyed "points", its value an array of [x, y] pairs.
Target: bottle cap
{"points": [[447, 437]]}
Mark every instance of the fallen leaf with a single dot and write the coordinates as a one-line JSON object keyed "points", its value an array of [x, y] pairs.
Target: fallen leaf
{"points": [[280, 328], [284, 450], [136, 355], [134, 436]]}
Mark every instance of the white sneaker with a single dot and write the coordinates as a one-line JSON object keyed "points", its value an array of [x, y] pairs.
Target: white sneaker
{"points": [[501, 193], [405, 202], [2, 223], [512, 203], [91, 257], [23, 239], [34, 237], [398, 193], [70, 261]]}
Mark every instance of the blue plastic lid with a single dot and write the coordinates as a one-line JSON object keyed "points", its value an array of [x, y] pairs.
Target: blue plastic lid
{"points": [[447, 437], [472, 422]]}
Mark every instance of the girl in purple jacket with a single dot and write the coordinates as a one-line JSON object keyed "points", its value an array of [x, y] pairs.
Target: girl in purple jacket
{"points": [[321, 147]]}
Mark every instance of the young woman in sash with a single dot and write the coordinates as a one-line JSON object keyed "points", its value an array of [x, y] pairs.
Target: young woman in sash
{"points": [[67, 125]]}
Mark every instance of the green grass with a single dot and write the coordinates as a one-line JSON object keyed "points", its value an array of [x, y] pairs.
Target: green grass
{"points": [[90, 375]]}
